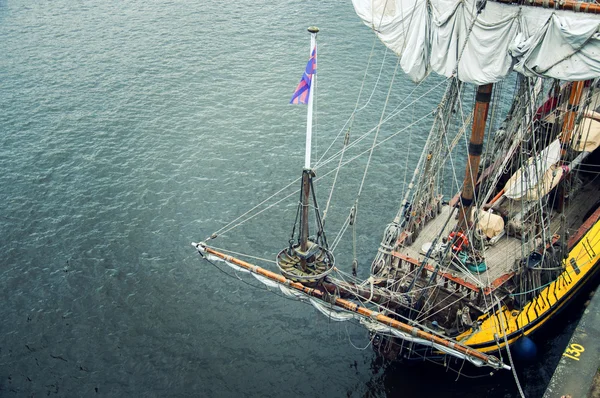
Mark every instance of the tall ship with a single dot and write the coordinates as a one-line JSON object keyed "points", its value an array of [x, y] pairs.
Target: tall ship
{"points": [[469, 275]]}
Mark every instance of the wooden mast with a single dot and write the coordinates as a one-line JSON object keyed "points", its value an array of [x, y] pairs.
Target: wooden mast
{"points": [[482, 103], [569, 120]]}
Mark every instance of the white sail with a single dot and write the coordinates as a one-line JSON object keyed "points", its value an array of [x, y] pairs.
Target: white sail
{"points": [[449, 36]]}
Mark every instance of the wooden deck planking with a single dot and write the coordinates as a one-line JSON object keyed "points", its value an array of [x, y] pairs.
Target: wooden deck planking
{"points": [[499, 257]]}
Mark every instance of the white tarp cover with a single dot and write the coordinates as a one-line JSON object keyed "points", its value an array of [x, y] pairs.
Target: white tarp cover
{"points": [[525, 182], [433, 35], [589, 135]]}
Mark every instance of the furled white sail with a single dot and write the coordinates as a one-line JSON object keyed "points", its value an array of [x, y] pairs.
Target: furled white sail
{"points": [[537, 177], [451, 37]]}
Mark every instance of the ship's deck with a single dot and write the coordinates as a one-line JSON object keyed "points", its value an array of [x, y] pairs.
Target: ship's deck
{"points": [[500, 257]]}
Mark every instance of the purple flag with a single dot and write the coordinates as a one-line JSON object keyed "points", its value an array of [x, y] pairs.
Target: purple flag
{"points": [[303, 90]]}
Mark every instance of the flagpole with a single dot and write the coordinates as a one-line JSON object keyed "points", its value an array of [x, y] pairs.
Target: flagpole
{"points": [[307, 172], [310, 255], [313, 42]]}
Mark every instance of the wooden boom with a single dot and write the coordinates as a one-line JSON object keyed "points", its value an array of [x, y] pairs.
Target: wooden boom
{"points": [[352, 307]]}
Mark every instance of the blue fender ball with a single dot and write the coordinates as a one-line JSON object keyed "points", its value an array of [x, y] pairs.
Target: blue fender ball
{"points": [[525, 348]]}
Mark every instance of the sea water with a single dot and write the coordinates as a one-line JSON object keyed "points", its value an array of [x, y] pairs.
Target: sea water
{"points": [[129, 130]]}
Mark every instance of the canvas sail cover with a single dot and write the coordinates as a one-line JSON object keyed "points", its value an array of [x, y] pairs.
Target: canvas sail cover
{"points": [[589, 135], [536, 178], [451, 37]]}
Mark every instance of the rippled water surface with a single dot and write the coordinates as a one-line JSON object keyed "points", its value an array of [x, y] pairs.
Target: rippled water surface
{"points": [[129, 130]]}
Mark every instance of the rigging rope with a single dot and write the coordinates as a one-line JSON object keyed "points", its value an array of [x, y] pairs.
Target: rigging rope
{"points": [[351, 119], [244, 255], [230, 226], [512, 364]]}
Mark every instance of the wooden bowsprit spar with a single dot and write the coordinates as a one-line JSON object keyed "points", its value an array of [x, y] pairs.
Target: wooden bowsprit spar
{"points": [[399, 329]]}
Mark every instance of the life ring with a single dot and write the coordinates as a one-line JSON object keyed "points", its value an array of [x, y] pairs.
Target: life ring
{"points": [[458, 240]]}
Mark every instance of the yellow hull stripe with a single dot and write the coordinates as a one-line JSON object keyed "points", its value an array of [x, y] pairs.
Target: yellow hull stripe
{"points": [[581, 262]]}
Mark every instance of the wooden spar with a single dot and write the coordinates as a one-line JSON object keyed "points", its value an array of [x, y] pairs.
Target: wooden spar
{"points": [[304, 216], [577, 6], [482, 104], [569, 120], [352, 307], [498, 196]]}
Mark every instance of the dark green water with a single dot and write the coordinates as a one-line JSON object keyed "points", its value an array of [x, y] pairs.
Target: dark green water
{"points": [[129, 130]]}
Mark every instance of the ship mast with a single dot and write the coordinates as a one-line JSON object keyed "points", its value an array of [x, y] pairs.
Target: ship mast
{"points": [[482, 103], [309, 260], [569, 120], [307, 173]]}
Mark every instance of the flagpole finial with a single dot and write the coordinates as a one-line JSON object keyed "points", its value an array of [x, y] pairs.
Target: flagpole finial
{"points": [[313, 29]]}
